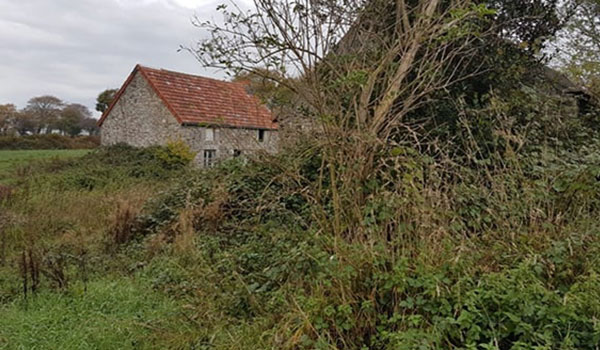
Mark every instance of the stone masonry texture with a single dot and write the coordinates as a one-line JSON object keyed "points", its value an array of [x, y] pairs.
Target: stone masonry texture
{"points": [[140, 118]]}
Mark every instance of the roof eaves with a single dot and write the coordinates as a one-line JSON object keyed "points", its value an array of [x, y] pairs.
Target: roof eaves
{"points": [[228, 126]]}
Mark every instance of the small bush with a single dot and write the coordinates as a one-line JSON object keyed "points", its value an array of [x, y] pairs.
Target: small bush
{"points": [[175, 155]]}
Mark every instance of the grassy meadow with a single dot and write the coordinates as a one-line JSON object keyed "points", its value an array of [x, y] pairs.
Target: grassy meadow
{"points": [[10, 160]]}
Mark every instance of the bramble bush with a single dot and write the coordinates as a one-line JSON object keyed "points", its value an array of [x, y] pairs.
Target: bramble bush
{"points": [[505, 261]]}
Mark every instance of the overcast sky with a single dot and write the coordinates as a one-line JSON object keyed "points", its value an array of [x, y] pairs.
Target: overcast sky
{"points": [[74, 49]]}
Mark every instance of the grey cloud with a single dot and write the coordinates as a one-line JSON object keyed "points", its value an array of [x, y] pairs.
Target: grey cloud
{"points": [[74, 49]]}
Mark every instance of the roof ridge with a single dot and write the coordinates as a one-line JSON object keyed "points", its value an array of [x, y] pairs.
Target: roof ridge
{"points": [[189, 74]]}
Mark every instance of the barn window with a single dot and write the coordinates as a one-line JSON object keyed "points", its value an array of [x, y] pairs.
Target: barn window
{"points": [[209, 134], [209, 157], [261, 135]]}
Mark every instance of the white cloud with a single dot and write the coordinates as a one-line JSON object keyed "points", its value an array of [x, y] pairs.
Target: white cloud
{"points": [[189, 4], [76, 49], [192, 4]]}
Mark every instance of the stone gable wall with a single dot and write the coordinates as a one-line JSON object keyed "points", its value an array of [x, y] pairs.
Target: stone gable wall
{"points": [[141, 119]]}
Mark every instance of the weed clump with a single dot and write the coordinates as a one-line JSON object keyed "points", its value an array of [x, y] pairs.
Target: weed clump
{"points": [[124, 224]]}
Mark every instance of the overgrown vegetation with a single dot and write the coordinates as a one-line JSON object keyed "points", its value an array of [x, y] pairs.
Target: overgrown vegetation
{"points": [[457, 215], [241, 257], [58, 235]]}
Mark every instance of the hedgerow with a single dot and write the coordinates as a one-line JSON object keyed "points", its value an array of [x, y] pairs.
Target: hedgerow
{"points": [[52, 141]]}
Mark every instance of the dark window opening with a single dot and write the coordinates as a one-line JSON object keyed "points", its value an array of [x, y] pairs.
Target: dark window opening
{"points": [[261, 135], [209, 157], [237, 153]]}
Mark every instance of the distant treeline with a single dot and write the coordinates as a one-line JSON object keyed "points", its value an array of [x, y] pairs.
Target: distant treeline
{"points": [[51, 141], [47, 115]]}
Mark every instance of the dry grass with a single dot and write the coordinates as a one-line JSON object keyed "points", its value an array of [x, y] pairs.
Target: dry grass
{"points": [[184, 241], [124, 222], [5, 193]]}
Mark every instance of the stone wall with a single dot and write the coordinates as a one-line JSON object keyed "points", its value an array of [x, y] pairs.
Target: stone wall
{"points": [[226, 141], [141, 119]]}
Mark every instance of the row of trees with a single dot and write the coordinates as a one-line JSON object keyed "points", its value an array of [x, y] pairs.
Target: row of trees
{"points": [[49, 114], [45, 115]]}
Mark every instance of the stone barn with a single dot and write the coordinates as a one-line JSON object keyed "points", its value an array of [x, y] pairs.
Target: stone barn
{"points": [[217, 119]]}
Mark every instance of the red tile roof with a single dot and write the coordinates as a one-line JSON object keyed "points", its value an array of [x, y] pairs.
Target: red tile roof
{"points": [[198, 100]]}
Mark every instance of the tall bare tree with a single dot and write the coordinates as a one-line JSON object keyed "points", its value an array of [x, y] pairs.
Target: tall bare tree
{"points": [[356, 67]]}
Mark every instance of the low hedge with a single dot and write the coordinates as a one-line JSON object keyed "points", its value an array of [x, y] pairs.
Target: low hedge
{"points": [[48, 142]]}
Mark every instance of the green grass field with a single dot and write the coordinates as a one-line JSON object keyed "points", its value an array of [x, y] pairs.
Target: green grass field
{"points": [[10, 160], [119, 313]]}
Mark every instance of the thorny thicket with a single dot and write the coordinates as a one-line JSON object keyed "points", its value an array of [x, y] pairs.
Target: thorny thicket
{"points": [[372, 79], [354, 72]]}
